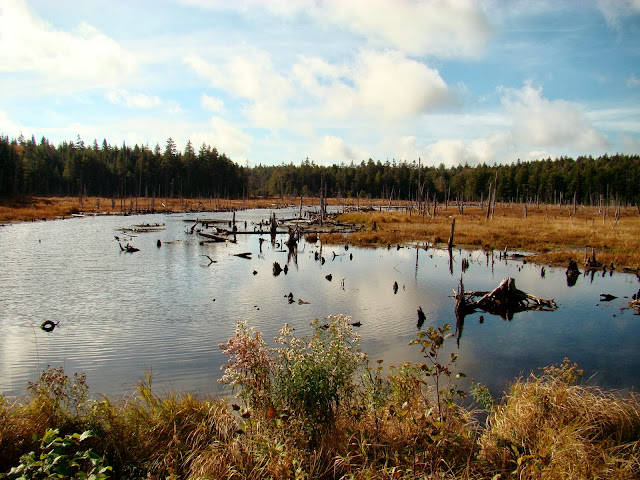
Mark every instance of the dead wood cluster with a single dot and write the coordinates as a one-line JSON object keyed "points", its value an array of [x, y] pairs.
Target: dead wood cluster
{"points": [[505, 300]]}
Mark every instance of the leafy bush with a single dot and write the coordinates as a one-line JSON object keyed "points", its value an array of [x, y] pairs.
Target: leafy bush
{"points": [[61, 458], [307, 378], [314, 375], [57, 396]]}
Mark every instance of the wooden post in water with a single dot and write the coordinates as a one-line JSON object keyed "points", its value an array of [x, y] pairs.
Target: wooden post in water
{"points": [[450, 242]]}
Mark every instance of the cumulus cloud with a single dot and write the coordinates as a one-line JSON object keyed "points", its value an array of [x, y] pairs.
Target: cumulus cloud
{"points": [[452, 152], [541, 122], [332, 150], [229, 139], [383, 86], [251, 75], [445, 28], [121, 96], [393, 86], [81, 58]]}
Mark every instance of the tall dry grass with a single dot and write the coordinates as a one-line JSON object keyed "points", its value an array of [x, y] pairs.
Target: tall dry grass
{"points": [[552, 234], [37, 208], [550, 427], [547, 427]]}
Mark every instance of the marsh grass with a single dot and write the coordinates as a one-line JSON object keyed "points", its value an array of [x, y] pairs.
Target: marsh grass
{"points": [[552, 234], [35, 208], [385, 426], [548, 426]]}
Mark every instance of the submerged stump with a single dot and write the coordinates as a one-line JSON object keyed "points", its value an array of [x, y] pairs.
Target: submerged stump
{"points": [[504, 300]]}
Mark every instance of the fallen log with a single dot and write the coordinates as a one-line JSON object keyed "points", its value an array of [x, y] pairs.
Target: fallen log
{"points": [[505, 300], [216, 238]]}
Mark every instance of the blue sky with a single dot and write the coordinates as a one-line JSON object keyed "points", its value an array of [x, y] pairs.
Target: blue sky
{"points": [[277, 81]]}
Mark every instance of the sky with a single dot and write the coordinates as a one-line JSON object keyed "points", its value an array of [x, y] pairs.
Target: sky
{"points": [[271, 82]]}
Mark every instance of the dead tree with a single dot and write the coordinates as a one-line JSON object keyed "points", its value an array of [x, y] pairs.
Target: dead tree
{"points": [[505, 300]]}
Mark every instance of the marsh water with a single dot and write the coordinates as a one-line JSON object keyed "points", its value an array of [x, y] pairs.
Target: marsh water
{"points": [[165, 310]]}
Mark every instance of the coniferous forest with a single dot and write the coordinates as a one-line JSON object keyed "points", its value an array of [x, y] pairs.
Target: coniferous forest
{"points": [[28, 167]]}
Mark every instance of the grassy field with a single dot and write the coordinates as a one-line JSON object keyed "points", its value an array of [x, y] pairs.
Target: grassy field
{"points": [[318, 409], [552, 234]]}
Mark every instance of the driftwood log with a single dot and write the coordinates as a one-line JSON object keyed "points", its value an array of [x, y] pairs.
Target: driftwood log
{"points": [[504, 300]]}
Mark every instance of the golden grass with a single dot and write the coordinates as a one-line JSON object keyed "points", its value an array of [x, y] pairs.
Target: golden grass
{"points": [[550, 428], [552, 234], [46, 208], [546, 427]]}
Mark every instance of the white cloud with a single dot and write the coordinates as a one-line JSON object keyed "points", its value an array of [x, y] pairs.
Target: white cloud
{"points": [[250, 75], [204, 69], [83, 58], [392, 86], [380, 86], [452, 152], [212, 104], [229, 139], [541, 122], [121, 96], [633, 81], [268, 114], [616, 10], [333, 150], [445, 28], [10, 128]]}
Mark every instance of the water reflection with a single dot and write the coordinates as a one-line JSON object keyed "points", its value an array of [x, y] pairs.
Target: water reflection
{"points": [[168, 308]]}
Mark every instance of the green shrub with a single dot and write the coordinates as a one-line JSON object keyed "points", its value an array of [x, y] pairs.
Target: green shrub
{"points": [[305, 378], [61, 458]]}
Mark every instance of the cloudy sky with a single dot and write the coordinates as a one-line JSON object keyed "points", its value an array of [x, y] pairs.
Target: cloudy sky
{"points": [[278, 81]]}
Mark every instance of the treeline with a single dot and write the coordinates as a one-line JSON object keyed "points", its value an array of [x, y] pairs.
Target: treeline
{"points": [[72, 168], [28, 167]]}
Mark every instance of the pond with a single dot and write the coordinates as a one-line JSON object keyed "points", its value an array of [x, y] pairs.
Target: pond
{"points": [[166, 309]]}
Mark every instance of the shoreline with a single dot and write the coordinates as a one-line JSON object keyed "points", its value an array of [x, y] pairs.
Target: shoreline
{"points": [[552, 234]]}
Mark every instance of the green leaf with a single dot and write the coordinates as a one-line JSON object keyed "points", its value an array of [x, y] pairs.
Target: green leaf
{"points": [[85, 435]]}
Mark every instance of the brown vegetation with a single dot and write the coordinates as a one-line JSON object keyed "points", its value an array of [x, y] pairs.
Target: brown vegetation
{"points": [[548, 427], [35, 208], [552, 234]]}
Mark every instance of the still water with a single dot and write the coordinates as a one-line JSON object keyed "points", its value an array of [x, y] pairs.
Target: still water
{"points": [[165, 309]]}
